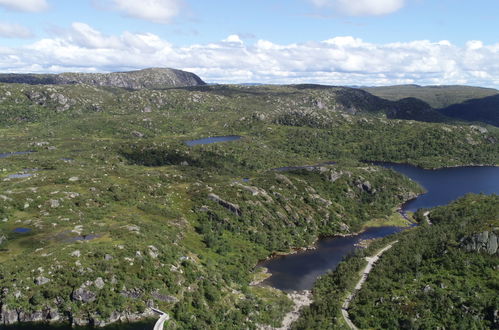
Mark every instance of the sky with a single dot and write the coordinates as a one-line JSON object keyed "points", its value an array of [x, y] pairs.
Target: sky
{"points": [[333, 42]]}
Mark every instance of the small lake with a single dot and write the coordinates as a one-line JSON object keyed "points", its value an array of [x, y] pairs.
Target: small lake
{"points": [[8, 154], [300, 270], [21, 230], [214, 139]]}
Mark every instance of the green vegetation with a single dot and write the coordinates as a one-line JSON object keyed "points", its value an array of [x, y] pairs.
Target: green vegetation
{"points": [[124, 215], [443, 275]]}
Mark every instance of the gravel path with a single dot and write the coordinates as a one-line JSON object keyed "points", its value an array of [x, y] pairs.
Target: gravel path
{"points": [[370, 263]]}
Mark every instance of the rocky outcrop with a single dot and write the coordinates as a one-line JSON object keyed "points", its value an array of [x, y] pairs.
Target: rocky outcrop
{"points": [[154, 78], [10, 316], [234, 208], [485, 241], [163, 297]]}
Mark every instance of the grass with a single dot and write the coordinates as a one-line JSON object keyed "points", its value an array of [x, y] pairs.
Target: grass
{"points": [[395, 219]]}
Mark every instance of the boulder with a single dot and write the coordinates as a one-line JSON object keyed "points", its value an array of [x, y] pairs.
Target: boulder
{"points": [[99, 283], [83, 294], [40, 280]]}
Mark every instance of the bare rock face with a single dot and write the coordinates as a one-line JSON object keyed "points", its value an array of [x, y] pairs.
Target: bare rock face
{"points": [[485, 241], [163, 297], [234, 208], [83, 294], [153, 78]]}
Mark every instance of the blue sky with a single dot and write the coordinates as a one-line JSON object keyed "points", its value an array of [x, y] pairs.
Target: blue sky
{"points": [[340, 42]]}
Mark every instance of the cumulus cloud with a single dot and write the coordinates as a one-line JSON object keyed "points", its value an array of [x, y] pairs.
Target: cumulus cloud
{"points": [[362, 7], [343, 60], [24, 5], [9, 30], [157, 11]]}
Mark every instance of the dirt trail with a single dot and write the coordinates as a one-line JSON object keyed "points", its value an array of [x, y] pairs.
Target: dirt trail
{"points": [[370, 263]]}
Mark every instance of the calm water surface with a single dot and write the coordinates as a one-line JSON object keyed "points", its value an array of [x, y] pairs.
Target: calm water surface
{"points": [[8, 154], [145, 325], [447, 184], [299, 271], [214, 139]]}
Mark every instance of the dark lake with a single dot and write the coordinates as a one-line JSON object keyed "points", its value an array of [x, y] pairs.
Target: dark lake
{"points": [[214, 139], [299, 271], [144, 325]]}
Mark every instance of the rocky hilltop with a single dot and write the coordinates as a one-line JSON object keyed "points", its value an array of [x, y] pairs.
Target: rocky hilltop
{"points": [[153, 78]]}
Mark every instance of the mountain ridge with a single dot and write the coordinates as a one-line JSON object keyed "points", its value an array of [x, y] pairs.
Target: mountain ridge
{"points": [[150, 78]]}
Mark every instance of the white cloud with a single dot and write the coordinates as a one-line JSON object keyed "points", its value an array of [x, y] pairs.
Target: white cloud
{"points": [[9, 30], [24, 5], [157, 11], [337, 61], [233, 38], [362, 7]]}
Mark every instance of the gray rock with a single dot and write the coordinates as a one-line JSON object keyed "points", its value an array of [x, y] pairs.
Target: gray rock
{"points": [[75, 253], [9, 316], [485, 241], [99, 283], [51, 314], [153, 251], [333, 176], [36, 316], [2, 239], [138, 134], [492, 243], [54, 203], [427, 289], [234, 208], [131, 293], [40, 280], [344, 227], [83, 294], [163, 297], [153, 78]]}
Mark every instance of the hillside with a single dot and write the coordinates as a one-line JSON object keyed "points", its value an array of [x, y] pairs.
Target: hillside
{"points": [[153, 78], [436, 96], [484, 109], [106, 188]]}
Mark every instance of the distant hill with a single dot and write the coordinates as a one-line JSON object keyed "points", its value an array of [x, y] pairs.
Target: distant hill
{"points": [[436, 96], [153, 78], [485, 110]]}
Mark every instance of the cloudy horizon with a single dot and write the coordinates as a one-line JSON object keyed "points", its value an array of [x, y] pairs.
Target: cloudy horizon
{"points": [[176, 34]]}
